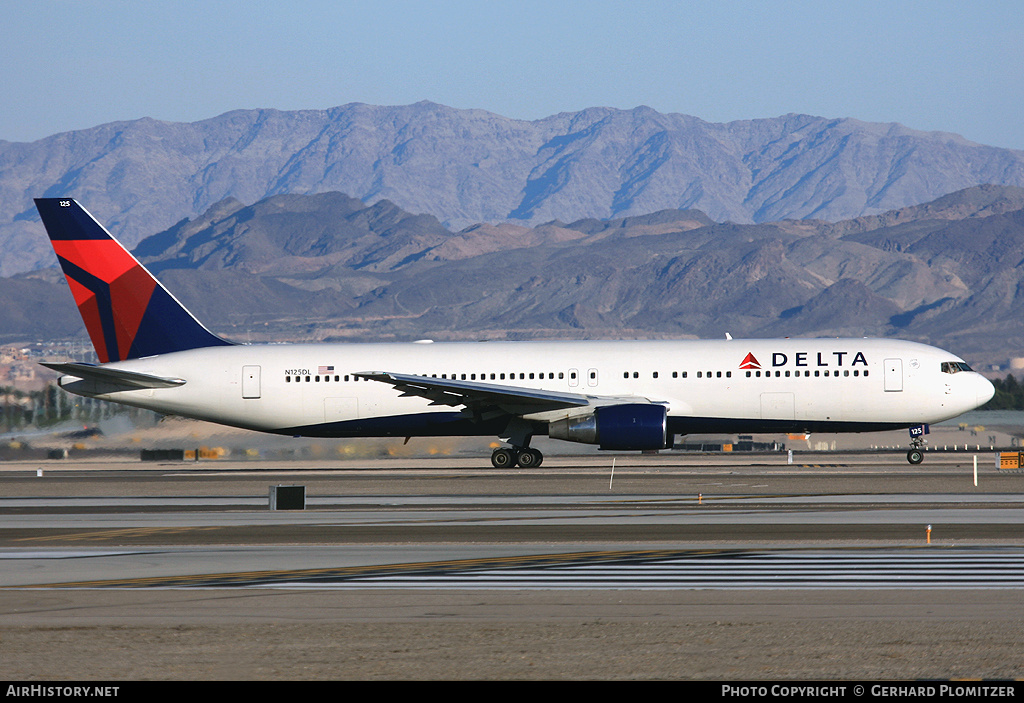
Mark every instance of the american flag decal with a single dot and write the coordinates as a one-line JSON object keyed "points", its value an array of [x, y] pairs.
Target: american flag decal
{"points": [[326, 369]]}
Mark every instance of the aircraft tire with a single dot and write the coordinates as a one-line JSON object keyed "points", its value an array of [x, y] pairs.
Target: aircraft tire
{"points": [[915, 456], [529, 458], [503, 459]]}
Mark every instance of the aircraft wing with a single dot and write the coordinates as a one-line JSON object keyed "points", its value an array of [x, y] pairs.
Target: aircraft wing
{"points": [[120, 377], [478, 397]]}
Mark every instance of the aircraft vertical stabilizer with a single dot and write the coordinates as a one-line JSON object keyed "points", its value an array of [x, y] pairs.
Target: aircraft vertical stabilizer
{"points": [[127, 312]]}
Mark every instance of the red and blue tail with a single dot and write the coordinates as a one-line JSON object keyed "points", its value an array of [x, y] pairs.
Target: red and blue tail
{"points": [[127, 312]]}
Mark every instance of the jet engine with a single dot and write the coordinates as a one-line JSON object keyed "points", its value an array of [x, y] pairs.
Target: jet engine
{"points": [[631, 426]]}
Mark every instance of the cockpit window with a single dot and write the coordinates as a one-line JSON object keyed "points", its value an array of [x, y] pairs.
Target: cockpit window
{"points": [[955, 367]]}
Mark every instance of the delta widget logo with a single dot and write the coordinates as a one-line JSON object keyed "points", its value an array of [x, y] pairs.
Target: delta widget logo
{"points": [[750, 362]]}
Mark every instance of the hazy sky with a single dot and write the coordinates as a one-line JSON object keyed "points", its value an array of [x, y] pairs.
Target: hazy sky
{"points": [[931, 65]]}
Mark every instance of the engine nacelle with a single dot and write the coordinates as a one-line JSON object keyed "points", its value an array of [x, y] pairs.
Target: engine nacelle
{"points": [[632, 426]]}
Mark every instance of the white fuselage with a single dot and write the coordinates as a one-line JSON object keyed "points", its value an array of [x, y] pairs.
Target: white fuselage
{"points": [[729, 385]]}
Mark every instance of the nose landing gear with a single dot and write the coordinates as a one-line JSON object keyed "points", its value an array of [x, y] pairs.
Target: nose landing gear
{"points": [[916, 455]]}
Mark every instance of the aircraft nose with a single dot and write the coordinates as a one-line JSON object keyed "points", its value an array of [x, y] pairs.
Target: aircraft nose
{"points": [[985, 390]]}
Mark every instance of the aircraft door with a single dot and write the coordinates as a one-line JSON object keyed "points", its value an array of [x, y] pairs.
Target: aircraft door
{"points": [[592, 377], [574, 377], [250, 381], [893, 375]]}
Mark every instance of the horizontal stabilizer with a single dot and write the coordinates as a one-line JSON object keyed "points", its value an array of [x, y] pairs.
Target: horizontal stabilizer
{"points": [[119, 377]]}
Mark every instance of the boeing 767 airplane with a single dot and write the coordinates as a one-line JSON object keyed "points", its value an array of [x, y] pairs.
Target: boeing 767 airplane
{"points": [[619, 395]]}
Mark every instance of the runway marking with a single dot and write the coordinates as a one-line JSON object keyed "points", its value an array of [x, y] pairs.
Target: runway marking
{"points": [[100, 535], [905, 568], [926, 569], [329, 574]]}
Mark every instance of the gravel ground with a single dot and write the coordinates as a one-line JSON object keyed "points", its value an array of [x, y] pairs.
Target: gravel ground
{"points": [[738, 636]]}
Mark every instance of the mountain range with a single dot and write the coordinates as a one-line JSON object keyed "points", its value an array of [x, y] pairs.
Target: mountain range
{"points": [[466, 167], [330, 267]]}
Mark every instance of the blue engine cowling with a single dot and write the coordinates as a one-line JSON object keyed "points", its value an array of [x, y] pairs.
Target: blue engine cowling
{"points": [[632, 426]]}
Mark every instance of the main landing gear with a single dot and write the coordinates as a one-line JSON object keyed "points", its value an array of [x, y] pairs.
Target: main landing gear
{"points": [[507, 457], [518, 434]]}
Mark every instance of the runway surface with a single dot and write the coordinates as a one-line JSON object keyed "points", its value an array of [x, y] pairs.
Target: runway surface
{"points": [[480, 566]]}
